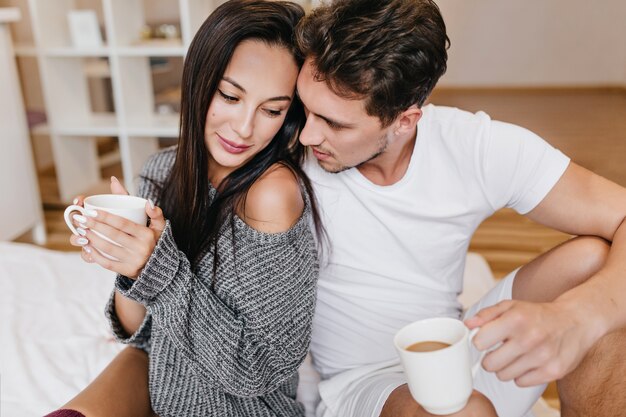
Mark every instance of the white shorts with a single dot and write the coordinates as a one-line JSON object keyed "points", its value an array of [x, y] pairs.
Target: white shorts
{"points": [[365, 391]]}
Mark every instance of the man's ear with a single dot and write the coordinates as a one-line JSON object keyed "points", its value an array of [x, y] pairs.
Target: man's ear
{"points": [[407, 120]]}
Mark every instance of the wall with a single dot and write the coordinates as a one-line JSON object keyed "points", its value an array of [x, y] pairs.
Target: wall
{"points": [[624, 69], [503, 42], [535, 42]]}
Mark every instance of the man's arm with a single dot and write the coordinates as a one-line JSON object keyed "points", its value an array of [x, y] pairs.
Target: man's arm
{"points": [[544, 341], [583, 203]]}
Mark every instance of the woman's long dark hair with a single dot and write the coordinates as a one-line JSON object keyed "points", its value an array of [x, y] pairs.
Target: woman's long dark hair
{"points": [[196, 221]]}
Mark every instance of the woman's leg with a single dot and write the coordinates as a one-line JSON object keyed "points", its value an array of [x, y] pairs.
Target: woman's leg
{"points": [[120, 390]]}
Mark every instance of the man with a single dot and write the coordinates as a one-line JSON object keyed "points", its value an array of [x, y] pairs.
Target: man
{"points": [[403, 187]]}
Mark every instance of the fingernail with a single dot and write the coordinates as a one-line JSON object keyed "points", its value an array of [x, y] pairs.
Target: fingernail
{"points": [[91, 213], [114, 178], [87, 249], [82, 241], [81, 231], [151, 203], [75, 201], [79, 218]]}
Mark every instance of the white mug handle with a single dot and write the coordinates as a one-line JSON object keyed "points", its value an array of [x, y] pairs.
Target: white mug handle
{"points": [[477, 365], [68, 220]]}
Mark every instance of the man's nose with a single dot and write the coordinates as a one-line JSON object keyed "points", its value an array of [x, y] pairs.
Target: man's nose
{"points": [[311, 134]]}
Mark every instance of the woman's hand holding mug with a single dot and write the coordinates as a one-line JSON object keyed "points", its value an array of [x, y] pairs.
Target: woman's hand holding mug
{"points": [[111, 230], [77, 239]]}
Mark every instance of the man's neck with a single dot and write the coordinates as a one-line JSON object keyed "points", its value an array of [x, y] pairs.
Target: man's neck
{"points": [[390, 166]]}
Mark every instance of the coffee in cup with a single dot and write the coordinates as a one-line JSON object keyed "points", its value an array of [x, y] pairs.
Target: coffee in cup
{"points": [[427, 346]]}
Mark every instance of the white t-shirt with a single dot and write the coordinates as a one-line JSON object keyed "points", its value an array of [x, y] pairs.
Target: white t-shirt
{"points": [[397, 252]]}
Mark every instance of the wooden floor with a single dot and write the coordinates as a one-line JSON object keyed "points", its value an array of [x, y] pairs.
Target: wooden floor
{"points": [[589, 125]]}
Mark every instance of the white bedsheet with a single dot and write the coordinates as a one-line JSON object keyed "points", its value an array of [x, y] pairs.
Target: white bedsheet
{"points": [[54, 338]]}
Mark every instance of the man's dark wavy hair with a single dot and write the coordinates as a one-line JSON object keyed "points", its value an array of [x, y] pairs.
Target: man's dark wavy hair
{"points": [[389, 52]]}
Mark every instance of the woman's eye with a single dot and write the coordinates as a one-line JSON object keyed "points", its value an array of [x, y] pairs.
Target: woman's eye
{"points": [[228, 98], [273, 113]]}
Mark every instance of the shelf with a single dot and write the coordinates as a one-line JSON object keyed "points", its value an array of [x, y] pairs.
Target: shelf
{"points": [[41, 129], [97, 69], [9, 14], [132, 18], [102, 124], [109, 158], [148, 51], [159, 125], [72, 52], [154, 47], [29, 50], [164, 126], [130, 69], [25, 50], [54, 32]]}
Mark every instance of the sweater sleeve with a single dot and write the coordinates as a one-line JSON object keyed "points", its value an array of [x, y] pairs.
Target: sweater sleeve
{"points": [[252, 337], [139, 339], [151, 177]]}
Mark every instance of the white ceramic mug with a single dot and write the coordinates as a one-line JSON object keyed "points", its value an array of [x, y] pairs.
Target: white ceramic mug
{"points": [[441, 381], [127, 206]]}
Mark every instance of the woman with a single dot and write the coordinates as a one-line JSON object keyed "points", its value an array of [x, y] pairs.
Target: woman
{"points": [[220, 288]]}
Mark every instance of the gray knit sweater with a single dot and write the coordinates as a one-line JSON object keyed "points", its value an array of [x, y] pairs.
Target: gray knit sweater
{"points": [[234, 350]]}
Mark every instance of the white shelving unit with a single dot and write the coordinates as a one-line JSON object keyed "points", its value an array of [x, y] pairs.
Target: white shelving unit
{"points": [[64, 70], [20, 205]]}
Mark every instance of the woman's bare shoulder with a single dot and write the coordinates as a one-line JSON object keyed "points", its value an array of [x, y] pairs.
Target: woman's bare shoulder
{"points": [[274, 202]]}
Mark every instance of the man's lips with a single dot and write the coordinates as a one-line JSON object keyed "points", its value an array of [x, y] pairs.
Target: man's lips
{"points": [[232, 147], [320, 155]]}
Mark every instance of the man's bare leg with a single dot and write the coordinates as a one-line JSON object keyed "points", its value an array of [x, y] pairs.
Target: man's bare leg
{"points": [[560, 269], [597, 388], [120, 390], [401, 404]]}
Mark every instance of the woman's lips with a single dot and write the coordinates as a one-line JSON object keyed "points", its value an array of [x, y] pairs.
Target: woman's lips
{"points": [[232, 147]]}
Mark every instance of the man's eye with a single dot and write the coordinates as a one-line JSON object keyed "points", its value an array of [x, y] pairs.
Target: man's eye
{"points": [[333, 125]]}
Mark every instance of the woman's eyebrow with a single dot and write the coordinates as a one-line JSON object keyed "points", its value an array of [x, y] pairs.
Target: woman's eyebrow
{"points": [[243, 90], [235, 83]]}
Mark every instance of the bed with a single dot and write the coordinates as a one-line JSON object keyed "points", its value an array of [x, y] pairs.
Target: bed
{"points": [[54, 338]]}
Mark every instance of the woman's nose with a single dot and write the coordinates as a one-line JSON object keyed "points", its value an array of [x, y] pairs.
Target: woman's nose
{"points": [[244, 124]]}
